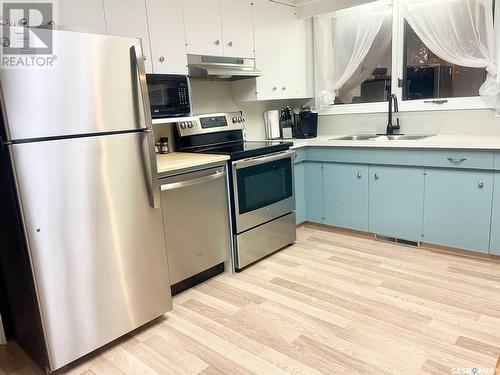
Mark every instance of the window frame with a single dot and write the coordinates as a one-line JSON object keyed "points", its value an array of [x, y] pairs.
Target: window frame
{"points": [[398, 53]]}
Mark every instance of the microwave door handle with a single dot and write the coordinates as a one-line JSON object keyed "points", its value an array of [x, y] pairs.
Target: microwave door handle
{"points": [[152, 169], [262, 159]]}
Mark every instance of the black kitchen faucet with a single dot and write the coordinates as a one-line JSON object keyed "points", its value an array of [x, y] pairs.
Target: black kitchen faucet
{"points": [[390, 126]]}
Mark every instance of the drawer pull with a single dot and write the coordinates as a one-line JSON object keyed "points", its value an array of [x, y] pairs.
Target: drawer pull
{"points": [[377, 176], [480, 184], [359, 175], [456, 160]]}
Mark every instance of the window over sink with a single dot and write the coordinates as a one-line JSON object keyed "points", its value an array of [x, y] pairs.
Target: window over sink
{"points": [[433, 54]]}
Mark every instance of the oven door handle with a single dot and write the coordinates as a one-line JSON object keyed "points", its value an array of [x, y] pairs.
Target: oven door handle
{"points": [[262, 159]]}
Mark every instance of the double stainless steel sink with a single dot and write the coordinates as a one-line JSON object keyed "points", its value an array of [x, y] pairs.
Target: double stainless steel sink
{"points": [[391, 137]]}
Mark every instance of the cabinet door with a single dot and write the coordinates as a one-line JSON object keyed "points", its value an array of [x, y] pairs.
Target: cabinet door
{"points": [[345, 194], [495, 224], [128, 18], [85, 15], [237, 28], [300, 200], [166, 31], [458, 208], [271, 20], [202, 21], [396, 201], [313, 183]]}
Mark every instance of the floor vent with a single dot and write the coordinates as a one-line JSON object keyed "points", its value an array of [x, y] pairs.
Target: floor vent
{"points": [[399, 241]]}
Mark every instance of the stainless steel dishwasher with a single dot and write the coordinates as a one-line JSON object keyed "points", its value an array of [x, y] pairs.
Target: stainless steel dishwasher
{"points": [[196, 222]]}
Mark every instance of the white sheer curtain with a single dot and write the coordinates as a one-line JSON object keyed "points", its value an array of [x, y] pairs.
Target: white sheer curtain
{"points": [[460, 32], [342, 41], [380, 48]]}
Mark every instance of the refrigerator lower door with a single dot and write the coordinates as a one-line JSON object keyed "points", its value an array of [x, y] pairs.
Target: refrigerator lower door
{"points": [[97, 248]]}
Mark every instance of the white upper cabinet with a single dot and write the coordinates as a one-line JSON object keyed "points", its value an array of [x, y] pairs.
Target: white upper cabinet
{"points": [[166, 30], [128, 18], [219, 27], [237, 28], [81, 15], [284, 54], [202, 21]]}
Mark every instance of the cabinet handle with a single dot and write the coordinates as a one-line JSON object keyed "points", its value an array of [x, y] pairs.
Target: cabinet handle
{"points": [[456, 160], [23, 21], [51, 23], [377, 176], [162, 59], [480, 184], [274, 88], [359, 175], [217, 42], [283, 88], [230, 44], [144, 57]]}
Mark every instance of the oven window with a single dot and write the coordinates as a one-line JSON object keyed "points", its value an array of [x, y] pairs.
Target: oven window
{"points": [[264, 184]]}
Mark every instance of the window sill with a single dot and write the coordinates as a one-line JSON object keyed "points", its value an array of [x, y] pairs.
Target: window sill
{"points": [[453, 104]]}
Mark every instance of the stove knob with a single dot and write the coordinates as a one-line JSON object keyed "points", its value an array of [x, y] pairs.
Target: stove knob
{"points": [[239, 120], [183, 125], [234, 120], [190, 124], [242, 119]]}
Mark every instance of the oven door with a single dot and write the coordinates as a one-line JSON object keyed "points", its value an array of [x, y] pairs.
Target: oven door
{"points": [[263, 189], [169, 95]]}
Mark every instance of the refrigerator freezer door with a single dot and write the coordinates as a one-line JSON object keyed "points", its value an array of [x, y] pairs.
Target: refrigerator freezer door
{"points": [[96, 245], [92, 87]]}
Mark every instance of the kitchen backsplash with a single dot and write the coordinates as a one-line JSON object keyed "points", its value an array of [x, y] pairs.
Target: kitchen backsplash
{"points": [[216, 96], [465, 122]]}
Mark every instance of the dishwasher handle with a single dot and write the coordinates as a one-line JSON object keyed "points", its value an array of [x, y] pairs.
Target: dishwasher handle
{"points": [[194, 181]]}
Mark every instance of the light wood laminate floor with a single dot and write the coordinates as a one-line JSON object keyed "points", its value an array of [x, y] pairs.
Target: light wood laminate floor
{"points": [[331, 304]]}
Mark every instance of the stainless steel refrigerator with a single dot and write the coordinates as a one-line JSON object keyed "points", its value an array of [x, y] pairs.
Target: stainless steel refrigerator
{"points": [[82, 246]]}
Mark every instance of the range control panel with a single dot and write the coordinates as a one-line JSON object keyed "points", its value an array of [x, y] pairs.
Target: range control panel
{"points": [[210, 123]]}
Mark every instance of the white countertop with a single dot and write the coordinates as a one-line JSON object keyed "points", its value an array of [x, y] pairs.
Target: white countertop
{"points": [[475, 142]]}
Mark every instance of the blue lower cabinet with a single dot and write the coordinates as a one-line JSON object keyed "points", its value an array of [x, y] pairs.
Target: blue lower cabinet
{"points": [[313, 183], [396, 201], [345, 195], [300, 199], [457, 209], [495, 217]]}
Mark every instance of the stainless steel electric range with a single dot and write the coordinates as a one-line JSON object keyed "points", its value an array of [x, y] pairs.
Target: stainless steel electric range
{"points": [[261, 182]]}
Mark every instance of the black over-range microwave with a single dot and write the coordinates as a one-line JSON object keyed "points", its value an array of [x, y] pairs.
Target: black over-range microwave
{"points": [[169, 95]]}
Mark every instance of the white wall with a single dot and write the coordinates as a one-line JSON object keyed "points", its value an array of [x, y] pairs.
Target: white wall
{"points": [[216, 96], [465, 122]]}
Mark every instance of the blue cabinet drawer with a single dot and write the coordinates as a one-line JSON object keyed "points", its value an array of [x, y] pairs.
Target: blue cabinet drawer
{"points": [[300, 155], [360, 155], [459, 159]]}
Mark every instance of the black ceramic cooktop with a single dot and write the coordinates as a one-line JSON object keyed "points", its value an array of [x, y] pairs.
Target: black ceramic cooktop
{"points": [[246, 149]]}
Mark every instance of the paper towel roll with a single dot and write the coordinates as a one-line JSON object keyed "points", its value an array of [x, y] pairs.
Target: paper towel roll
{"points": [[272, 124]]}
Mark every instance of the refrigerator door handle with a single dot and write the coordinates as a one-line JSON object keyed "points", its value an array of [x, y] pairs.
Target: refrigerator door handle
{"points": [[154, 187]]}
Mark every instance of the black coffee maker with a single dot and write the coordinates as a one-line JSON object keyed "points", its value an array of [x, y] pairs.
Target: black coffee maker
{"points": [[306, 123]]}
